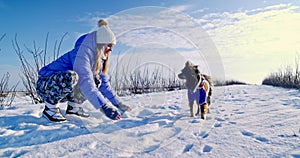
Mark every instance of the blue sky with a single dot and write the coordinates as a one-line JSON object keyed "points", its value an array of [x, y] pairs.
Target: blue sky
{"points": [[253, 37]]}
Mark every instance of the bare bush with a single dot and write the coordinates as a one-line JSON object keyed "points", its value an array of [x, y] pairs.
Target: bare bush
{"points": [[228, 82], [287, 77], [30, 67], [146, 78], [7, 95]]}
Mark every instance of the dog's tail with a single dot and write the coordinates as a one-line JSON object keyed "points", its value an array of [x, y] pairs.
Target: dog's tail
{"points": [[209, 96], [208, 78]]}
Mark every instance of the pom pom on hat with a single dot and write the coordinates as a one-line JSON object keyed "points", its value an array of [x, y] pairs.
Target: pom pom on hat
{"points": [[104, 33]]}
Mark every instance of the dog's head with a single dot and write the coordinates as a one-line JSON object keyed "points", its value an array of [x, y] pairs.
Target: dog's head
{"points": [[190, 73]]}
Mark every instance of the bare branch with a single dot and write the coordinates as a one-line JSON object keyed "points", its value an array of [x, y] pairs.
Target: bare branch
{"points": [[29, 76], [45, 50], [6, 95], [59, 45], [30, 69], [2, 37]]}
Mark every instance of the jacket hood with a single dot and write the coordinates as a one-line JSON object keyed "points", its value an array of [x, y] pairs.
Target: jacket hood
{"points": [[88, 40]]}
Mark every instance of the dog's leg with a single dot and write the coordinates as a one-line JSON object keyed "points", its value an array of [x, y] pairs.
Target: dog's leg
{"points": [[208, 103], [198, 109], [208, 110], [204, 110], [191, 109]]}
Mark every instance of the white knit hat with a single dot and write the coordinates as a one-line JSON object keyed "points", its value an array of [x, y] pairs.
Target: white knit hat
{"points": [[104, 33]]}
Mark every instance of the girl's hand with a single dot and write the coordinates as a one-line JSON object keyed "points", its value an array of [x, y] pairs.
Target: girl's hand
{"points": [[108, 50]]}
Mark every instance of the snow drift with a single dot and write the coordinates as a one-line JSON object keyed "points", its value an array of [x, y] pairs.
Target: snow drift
{"points": [[244, 121]]}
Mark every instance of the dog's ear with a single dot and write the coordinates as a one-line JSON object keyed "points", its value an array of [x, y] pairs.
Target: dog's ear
{"points": [[195, 68], [188, 63]]}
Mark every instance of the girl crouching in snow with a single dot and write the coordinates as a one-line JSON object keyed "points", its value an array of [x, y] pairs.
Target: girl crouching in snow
{"points": [[81, 74]]}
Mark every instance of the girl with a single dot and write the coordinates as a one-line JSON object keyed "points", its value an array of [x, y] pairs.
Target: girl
{"points": [[81, 74]]}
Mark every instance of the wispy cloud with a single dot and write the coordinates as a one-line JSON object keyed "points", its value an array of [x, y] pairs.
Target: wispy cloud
{"points": [[153, 26], [199, 11], [90, 19], [271, 25], [158, 25], [181, 8], [269, 8], [263, 35], [250, 42]]}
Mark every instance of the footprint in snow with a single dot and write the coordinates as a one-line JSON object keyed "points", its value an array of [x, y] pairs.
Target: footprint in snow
{"points": [[195, 121], [220, 119], [262, 139], [201, 134], [207, 148], [239, 112], [249, 134], [151, 148], [188, 148], [259, 138], [218, 125]]}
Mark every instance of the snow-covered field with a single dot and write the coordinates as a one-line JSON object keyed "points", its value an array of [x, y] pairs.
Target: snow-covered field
{"points": [[245, 121]]}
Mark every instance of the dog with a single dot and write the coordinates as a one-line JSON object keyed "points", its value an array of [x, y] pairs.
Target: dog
{"points": [[199, 88]]}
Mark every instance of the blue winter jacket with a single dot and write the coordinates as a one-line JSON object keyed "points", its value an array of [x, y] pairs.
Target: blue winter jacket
{"points": [[81, 60]]}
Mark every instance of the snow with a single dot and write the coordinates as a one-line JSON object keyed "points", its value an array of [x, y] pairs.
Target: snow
{"points": [[244, 121]]}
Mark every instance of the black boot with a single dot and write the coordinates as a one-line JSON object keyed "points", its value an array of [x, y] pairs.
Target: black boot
{"points": [[52, 113], [76, 110]]}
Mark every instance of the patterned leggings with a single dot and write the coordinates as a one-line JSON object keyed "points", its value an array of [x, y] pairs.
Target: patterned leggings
{"points": [[60, 87]]}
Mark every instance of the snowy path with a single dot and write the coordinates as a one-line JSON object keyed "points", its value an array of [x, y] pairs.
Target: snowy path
{"points": [[245, 121]]}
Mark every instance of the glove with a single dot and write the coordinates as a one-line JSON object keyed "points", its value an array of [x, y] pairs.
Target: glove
{"points": [[111, 112], [123, 108]]}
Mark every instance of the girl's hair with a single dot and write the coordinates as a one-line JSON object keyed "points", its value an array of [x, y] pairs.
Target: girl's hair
{"points": [[98, 58], [99, 50]]}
